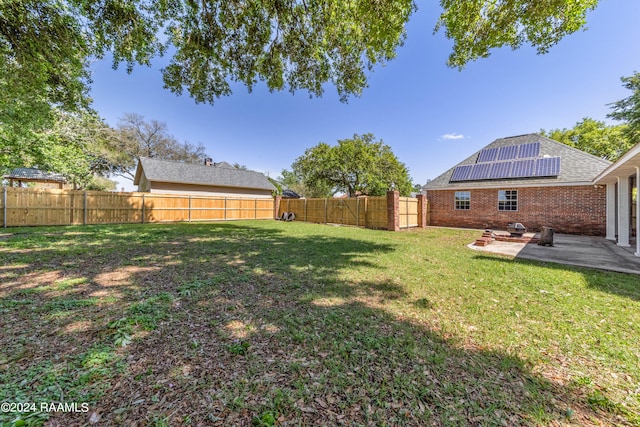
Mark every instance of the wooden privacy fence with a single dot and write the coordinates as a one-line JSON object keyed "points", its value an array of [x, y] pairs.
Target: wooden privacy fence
{"points": [[32, 207], [369, 212], [390, 213]]}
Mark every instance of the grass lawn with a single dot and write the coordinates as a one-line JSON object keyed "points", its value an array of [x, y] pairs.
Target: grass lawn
{"points": [[271, 323]]}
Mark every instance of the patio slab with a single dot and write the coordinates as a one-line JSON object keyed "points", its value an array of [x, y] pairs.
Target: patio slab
{"points": [[581, 251]]}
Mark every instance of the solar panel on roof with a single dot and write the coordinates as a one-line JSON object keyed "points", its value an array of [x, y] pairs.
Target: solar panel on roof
{"points": [[480, 171], [547, 166], [487, 155], [500, 170], [508, 153], [461, 173], [522, 168], [511, 161], [527, 151]]}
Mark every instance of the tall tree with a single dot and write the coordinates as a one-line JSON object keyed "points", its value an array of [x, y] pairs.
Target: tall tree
{"points": [[356, 166], [628, 109], [289, 179], [134, 138], [594, 137], [76, 146], [478, 26], [43, 63], [45, 45]]}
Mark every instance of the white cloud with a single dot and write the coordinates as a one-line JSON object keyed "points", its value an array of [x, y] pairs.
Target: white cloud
{"points": [[448, 136]]}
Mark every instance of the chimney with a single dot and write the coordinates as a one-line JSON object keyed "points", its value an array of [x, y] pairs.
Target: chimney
{"points": [[208, 161]]}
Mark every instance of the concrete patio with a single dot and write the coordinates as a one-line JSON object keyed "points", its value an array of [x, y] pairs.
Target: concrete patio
{"points": [[581, 251]]}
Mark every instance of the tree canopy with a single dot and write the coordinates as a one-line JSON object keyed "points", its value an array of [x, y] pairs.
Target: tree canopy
{"points": [[356, 166], [134, 137], [628, 109], [594, 137], [293, 181], [46, 46], [476, 27], [86, 150], [74, 145]]}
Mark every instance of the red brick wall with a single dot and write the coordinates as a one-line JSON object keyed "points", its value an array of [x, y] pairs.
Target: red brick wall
{"points": [[393, 211], [572, 210]]}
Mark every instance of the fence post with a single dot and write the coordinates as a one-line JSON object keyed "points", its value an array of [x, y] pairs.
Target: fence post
{"points": [[225, 208], [325, 210], [276, 206], [357, 211], [4, 207], [366, 211], [85, 208], [255, 208], [189, 214], [143, 209], [422, 210], [393, 208]]}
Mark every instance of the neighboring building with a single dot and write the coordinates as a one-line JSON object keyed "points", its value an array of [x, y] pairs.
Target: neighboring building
{"points": [[211, 179], [529, 179], [623, 201], [42, 179], [289, 194]]}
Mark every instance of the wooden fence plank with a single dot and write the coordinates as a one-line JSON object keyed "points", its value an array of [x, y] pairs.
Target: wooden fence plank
{"points": [[376, 215], [368, 212], [34, 207]]}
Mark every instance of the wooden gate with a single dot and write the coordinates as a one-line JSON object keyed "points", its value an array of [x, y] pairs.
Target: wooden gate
{"points": [[343, 211], [408, 212]]}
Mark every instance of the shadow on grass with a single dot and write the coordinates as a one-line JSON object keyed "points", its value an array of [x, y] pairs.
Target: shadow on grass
{"points": [[222, 324]]}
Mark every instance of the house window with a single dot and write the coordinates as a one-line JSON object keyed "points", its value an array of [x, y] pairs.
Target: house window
{"points": [[507, 200], [463, 200]]}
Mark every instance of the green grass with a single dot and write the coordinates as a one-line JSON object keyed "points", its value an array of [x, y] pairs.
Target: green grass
{"points": [[266, 323]]}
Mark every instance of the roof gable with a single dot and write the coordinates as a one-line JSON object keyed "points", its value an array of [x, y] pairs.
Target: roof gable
{"points": [[220, 174], [577, 167], [35, 174], [623, 167]]}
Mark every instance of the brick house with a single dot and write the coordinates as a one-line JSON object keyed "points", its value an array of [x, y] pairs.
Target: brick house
{"points": [[529, 179]]}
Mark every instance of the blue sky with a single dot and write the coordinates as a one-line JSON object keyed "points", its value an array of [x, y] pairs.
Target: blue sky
{"points": [[432, 116]]}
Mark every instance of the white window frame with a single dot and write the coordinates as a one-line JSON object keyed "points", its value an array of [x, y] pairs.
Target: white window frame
{"points": [[508, 200], [460, 199]]}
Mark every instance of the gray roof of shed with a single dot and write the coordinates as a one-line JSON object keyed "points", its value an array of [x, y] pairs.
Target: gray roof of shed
{"points": [[221, 174], [577, 167], [35, 174]]}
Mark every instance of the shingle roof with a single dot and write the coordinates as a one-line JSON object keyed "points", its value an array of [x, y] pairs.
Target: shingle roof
{"points": [[219, 175], [289, 194], [577, 167], [35, 174]]}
